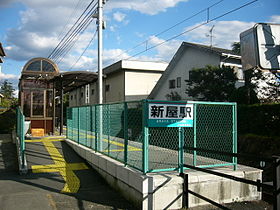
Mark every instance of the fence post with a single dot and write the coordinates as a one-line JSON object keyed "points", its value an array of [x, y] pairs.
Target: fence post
{"points": [[67, 122], [95, 125], [22, 142], [145, 138], [86, 128], [234, 135], [78, 125], [91, 125], [276, 183], [108, 127], [125, 129], [185, 200], [194, 135], [181, 150]]}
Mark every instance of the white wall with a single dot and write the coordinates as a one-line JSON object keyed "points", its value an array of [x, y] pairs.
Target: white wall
{"points": [[192, 58]]}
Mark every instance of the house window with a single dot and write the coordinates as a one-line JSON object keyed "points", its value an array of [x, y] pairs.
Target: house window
{"points": [[178, 82], [92, 92], [71, 97], [82, 94], [171, 83], [107, 88]]}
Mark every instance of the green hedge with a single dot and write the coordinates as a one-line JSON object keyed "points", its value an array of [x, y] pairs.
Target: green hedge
{"points": [[7, 121], [260, 119]]}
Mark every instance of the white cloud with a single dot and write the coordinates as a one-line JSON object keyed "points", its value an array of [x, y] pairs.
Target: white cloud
{"points": [[275, 19], [4, 76], [42, 26], [150, 7], [224, 33], [165, 50], [118, 16]]}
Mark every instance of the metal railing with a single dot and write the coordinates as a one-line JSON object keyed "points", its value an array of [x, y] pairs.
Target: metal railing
{"points": [[20, 134], [128, 137], [270, 189]]}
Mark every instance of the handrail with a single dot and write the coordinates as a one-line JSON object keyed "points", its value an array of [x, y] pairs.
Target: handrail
{"points": [[275, 188]]}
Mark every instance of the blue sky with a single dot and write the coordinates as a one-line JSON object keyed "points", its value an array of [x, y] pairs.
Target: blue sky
{"points": [[32, 28]]}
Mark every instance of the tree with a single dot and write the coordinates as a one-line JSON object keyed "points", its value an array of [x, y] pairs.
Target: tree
{"points": [[211, 83], [235, 47], [259, 85], [173, 96], [7, 89], [267, 87]]}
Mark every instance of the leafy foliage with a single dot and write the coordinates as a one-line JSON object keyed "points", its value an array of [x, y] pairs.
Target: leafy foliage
{"points": [[236, 47], [7, 89], [211, 83], [260, 119], [173, 96]]}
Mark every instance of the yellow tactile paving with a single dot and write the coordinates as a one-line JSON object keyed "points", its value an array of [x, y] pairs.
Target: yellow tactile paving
{"points": [[130, 148], [66, 170]]}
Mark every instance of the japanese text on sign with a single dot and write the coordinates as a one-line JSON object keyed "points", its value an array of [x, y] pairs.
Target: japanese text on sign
{"points": [[170, 115]]}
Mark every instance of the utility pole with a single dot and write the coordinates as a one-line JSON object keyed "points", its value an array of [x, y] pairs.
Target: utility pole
{"points": [[100, 71], [100, 47]]}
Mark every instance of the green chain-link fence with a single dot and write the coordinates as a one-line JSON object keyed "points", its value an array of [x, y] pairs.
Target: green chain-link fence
{"points": [[126, 136]]}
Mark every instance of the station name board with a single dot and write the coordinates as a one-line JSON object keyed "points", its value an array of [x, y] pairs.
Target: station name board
{"points": [[170, 115]]}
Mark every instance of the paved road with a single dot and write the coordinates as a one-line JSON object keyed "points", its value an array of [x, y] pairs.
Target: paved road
{"points": [[52, 183]]}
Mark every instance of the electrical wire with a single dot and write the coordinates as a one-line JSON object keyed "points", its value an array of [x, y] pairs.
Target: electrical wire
{"points": [[189, 30], [94, 36], [73, 35], [73, 13], [72, 30], [168, 29], [72, 44]]}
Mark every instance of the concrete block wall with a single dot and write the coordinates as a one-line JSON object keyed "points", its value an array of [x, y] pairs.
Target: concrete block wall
{"points": [[164, 190]]}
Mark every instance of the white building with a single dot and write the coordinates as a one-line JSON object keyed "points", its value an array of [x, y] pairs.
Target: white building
{"points": [[123, 81], [189, 56]]}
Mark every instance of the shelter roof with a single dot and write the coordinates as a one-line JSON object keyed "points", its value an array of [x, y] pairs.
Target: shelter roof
{"points": [[2, 52], [73, 79]]}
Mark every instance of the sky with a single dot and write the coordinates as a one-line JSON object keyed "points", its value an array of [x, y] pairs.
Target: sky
{"points": [[135, 29]]}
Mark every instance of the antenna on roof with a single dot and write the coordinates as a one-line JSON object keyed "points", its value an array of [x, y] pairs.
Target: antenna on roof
{"points": [[211, 35]]}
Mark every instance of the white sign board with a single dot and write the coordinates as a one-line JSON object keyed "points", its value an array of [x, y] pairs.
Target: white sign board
{"points": [[260, 47], [170, 115]]}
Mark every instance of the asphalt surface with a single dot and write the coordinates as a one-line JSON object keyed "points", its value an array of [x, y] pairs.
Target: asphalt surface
{"points": [[42, 191]]}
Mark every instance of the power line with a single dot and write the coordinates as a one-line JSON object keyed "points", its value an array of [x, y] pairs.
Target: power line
{"points": [[72, 37], [68, 41], [189, 30], [72, 30], [68, 20], [173, 26], [72, 44], [84, 50]]}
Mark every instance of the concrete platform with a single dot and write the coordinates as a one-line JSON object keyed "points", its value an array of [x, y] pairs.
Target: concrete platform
{"points": [[164, 190]]}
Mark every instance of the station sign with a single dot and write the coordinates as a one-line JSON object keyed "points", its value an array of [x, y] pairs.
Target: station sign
{"points": [[170, 115]]}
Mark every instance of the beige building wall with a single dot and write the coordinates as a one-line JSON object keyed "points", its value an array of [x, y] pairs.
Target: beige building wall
{"points": [[114, 87], [138, 85], [93, 93]]}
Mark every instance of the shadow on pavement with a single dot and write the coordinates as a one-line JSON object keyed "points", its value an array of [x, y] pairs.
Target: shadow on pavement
{"points": [[43, 190]]}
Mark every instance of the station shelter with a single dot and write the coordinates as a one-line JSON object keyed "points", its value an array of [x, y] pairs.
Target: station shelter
{"points": [[41, 91]]}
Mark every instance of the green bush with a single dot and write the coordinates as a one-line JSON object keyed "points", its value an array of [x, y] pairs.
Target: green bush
{"points": [[7, 121], [260, 119]]}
